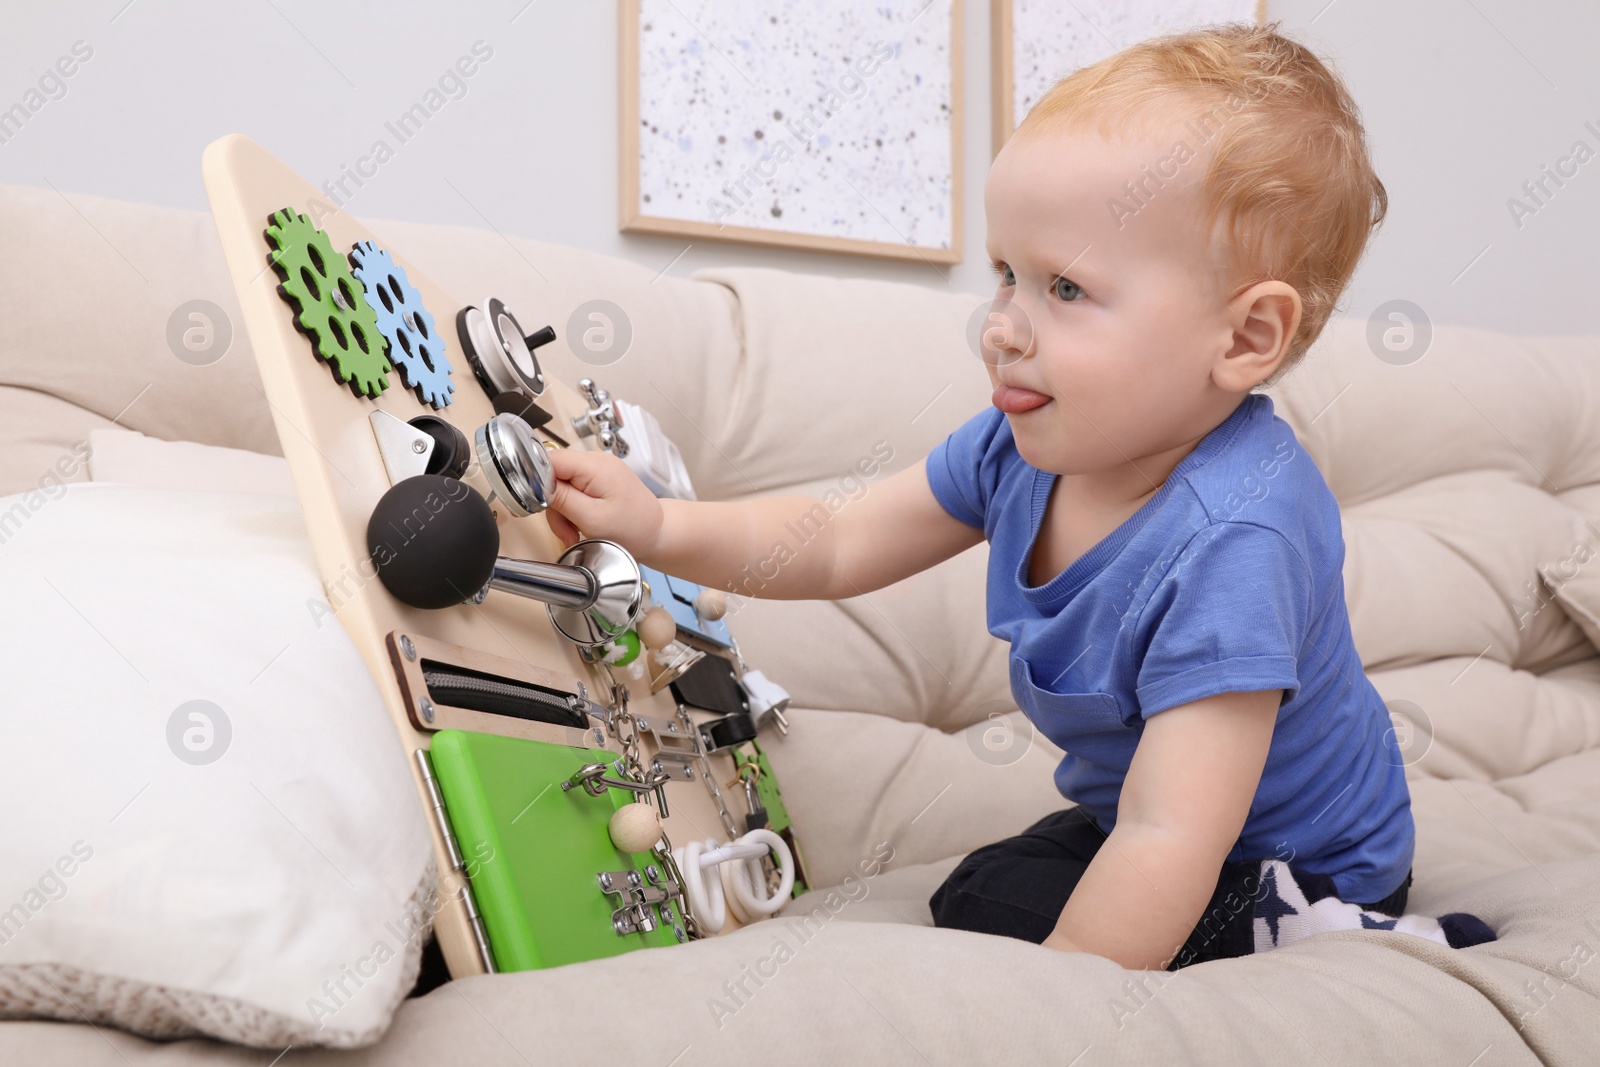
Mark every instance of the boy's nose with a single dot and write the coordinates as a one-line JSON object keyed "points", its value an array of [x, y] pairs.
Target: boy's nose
{"points": [[1007, 333]]}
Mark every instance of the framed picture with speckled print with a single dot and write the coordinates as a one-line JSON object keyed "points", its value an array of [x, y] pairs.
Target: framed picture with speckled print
{"points": [[1036, 43], [823, 124]]}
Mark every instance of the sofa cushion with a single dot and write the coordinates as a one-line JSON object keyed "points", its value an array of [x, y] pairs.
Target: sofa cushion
{"points": [[132, 458], [91, 285], [211, 825], [854, 978]]}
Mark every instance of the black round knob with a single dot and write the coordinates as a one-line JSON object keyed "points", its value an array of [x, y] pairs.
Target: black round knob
{"points": [[433, 541], [542, 336]]}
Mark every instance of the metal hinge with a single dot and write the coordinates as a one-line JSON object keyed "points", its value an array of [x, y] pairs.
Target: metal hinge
{"points": [[458, 863]]}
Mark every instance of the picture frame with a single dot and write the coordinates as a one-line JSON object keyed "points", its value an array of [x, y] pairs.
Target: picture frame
{"points": [[1011, 87], [906, 196]]}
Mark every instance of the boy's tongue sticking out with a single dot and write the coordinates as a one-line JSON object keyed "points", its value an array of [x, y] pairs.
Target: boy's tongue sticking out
{"points": [[1013, 400]]}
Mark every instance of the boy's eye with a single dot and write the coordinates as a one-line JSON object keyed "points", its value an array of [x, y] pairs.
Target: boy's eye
{"points": [[1066, 290], [1004, 271]]}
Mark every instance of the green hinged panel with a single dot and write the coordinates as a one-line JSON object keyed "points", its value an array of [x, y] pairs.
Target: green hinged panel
{"points": [[533, 850]]}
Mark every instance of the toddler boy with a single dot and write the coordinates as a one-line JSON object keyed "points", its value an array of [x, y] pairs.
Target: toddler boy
{"points": [[1171, 228]]}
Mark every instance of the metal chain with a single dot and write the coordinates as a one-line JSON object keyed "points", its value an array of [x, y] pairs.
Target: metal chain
{"points": [[623, 718], [703, 765]]}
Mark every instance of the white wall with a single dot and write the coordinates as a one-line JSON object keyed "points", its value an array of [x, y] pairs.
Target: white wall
{"points": [[1465, 102]]}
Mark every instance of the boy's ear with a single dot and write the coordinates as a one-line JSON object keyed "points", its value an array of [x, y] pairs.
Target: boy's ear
{"points": [[1264, 318]]}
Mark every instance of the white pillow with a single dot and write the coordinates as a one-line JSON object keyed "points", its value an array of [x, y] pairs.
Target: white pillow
{"points": [[132, 458], [277, 894]]}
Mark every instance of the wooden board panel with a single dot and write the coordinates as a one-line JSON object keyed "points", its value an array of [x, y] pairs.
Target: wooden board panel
{"points": [[339, 477]]}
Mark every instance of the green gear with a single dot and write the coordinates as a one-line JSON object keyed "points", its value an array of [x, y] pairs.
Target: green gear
{"points": [[330, 305]]}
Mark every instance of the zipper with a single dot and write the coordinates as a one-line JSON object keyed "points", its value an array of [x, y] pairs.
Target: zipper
{"points": [[460, 688]]}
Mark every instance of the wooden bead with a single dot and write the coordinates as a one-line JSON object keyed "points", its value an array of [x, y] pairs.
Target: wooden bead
{"points": [[711, 604], [656, 629], [635, 828]]}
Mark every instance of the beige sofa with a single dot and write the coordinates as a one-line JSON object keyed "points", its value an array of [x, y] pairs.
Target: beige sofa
{"points": [[1467, 479]]}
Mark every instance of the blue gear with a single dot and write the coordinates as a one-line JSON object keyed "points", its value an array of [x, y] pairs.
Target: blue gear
{"points": [[415, 348]]}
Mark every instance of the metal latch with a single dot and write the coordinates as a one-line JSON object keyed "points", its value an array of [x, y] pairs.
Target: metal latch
{"points": [[595, 781], [678, 748], [634, 916]]}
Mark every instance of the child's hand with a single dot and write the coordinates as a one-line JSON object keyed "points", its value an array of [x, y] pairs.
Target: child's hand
{"points": [[596, 493]]}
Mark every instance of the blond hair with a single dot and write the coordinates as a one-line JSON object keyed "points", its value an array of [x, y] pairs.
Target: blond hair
{"points": [[1290, 175]]}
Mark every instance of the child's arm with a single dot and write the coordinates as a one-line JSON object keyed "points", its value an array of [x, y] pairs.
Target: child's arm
{"points": [[776, 547], [1182, 808]]}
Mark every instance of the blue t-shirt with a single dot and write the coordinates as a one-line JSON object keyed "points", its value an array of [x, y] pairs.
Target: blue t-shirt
{"points": [[1228, 579]]}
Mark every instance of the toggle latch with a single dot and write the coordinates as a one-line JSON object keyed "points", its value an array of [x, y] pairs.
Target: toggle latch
{"points": [[637, 899]]}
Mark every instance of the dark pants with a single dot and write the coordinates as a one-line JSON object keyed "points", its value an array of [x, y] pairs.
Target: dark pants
{"points": [[1017, 888]]}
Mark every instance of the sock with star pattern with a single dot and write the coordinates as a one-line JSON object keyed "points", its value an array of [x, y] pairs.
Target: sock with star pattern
{"points": [[1295, 904]]}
